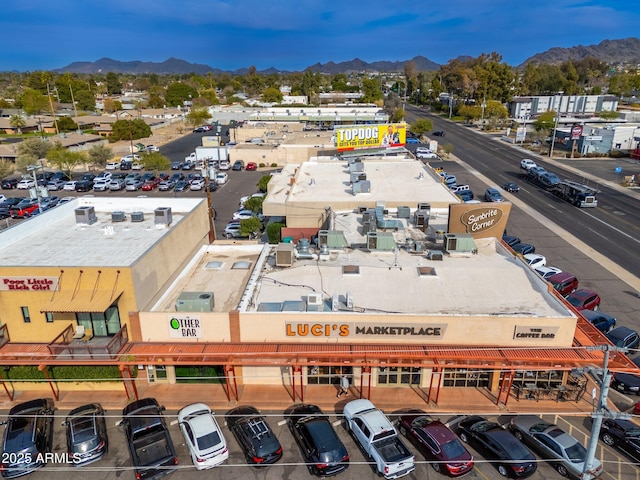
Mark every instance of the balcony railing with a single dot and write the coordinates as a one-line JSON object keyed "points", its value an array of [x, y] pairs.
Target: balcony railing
{"points": [[98, 348]]}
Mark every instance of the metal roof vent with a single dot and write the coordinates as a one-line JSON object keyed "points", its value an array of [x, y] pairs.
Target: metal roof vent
{"points": [[118, 216], [215, 265], [241, 265], [137, 216]]}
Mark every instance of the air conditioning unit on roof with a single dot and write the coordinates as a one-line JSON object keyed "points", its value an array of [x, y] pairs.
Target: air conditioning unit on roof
{"points": [[314, 302]]}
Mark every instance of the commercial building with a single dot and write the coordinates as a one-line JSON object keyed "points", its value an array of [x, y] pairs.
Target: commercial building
{"points": [[390, 289]]}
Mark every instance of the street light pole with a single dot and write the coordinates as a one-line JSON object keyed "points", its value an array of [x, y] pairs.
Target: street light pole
{"points": [[553, 135]]}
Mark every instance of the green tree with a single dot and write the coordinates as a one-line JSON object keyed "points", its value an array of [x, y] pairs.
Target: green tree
{"points": [[447, 148], [66, 160], [36, 148], [495, 110], [32, 101], [421, 126], [250, 227], [156, 101], [262, 183], [371, 90], [545, 122], [99, 155], [155, 162], [397, 115], [470, 112], [197, 117], [17, 122], [66, 124], [254, 204], [609, 115], [85, 100], [178, 93], [272, 95], [114, 87], [7, 167], [129, 130]]}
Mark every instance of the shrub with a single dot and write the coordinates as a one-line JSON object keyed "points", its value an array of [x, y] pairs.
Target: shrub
{"points": [[26, 373], [274, 165], [261, 165], [616, 154], [273, 232]]}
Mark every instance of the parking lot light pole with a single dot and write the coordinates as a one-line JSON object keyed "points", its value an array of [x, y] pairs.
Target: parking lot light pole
{"points": [[32, 169]]}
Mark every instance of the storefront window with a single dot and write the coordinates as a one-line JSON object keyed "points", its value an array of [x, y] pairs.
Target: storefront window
{"points": [[101, 324], [25, 314], [392, 376], [318, 375], [542, 379], [466, 378]]}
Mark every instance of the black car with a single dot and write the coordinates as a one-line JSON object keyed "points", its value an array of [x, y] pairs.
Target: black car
{"points": [[253, 433], [84, 186], [510, 240], [624, 337], [511, 187], [499, 446], [181, 186], [439, 133], [29, 433], [464, 195], [627, 382], [9, 183], [88, 176], [622, 434], [322, 449], [523, 248], [87, 440]]}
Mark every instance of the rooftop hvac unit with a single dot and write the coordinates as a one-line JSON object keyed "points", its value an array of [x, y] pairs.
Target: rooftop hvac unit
{"points": [[349, 301], [426, 207], [284, 255], [421, 219], [162, 216], [459, 242], [369, 226], [117, 216], [314, 302], [363, 186], [137, 216], [368, 216], [335, 302], [195, 302], [404, 212], [86, 215]]}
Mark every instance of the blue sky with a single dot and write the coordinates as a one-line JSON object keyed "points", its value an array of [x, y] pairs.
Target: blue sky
{"points": [[293, 34]]}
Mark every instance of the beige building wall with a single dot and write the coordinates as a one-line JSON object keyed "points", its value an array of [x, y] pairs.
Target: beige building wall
{"points": [[153, 271]]}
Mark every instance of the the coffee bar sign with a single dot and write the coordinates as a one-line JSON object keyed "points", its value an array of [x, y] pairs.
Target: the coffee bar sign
{"points": [[535, 333], [34, 284]]}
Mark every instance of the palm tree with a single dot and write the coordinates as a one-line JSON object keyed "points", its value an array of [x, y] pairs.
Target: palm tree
{"points": [[16, 121]]}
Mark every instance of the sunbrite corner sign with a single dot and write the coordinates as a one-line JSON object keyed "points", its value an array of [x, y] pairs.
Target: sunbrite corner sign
{"points": [[185, 326]]}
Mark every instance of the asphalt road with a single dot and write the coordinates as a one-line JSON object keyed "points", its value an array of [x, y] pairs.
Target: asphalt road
{"points": [[117, 464], [588, 242]]}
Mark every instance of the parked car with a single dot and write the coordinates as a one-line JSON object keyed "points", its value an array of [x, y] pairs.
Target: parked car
{"points": [[86, 429], [439, 446], [424, 152], [251, 166], [511, 187], [166, 185], [133, 185], [523, 248], [84, 186], [26, 184], [245, 214], [103, 177], [28, 433], [55, 185], [201, 128], [622, 434], [149, 185], [9, 183], [439, 133], [535, 260], [176, 177], [152, 148], [584, 299], [499, 446], [603, 322], [181, 186], [566, 453], [412, 140], [322, 450], [224, 165], [546, 271], [49, 202], [626, 382], [132, 157], [176, 165], [254, 435], [527, 164], [493, 195], [126, 165], [238, 165], [221, 178], [113, 165], [25, 208], [202, 434], [510, 240], [564, 283], [101, 186], [624, 337], [116, 184], [197, 184]]}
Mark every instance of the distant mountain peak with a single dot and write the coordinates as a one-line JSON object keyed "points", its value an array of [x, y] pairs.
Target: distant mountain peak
{"points": [[624, 50]]}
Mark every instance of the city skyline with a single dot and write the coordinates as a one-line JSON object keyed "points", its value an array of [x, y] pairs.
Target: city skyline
{"points": [[290, 35]]}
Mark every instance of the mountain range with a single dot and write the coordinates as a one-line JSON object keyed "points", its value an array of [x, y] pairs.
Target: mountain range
{"points": [[625, 50]]}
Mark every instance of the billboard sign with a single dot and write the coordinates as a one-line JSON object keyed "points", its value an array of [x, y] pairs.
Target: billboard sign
{"points": [[355, 137], [576, 132]]}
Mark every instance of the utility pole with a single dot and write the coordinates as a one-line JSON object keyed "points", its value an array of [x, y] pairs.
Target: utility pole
{"points": [[601, 410]]}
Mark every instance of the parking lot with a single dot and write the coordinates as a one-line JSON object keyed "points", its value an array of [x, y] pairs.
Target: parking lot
{"points": [[117, 464]]}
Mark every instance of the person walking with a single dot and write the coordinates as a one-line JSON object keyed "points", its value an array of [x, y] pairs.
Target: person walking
{"points": [[344, 386]]}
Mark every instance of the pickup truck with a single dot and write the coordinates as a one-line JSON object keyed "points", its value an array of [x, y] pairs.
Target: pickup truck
{"points": [[150, 445], [378, 439]]}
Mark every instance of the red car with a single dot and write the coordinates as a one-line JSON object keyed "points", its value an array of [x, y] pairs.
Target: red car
{"points": [[24, 209], [148, 185], [584, 299], [251, 166], [436, 442]]}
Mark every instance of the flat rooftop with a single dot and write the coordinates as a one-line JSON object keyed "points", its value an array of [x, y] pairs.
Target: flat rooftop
{"points": [[323, 181], [55, 239], [400, 281]]}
